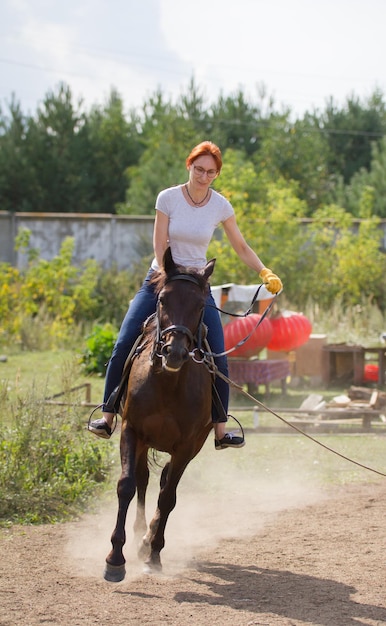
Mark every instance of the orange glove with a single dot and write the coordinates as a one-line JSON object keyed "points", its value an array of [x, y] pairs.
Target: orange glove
{"points": [[270, 280]]}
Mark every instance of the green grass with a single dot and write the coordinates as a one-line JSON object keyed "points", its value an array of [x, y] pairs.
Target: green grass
{"points": [[293, 457], [51, 372]]}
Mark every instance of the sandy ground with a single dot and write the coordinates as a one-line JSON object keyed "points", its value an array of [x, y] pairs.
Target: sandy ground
{"points": [[262, 554]]}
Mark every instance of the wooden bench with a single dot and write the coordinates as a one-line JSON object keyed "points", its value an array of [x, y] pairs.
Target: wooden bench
{"points": [[322, 419]]}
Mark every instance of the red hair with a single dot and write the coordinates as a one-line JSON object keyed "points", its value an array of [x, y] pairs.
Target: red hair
{"points": [[205, 148]]}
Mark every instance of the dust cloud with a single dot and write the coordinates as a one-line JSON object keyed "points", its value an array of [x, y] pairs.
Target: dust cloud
{"points": [[219, 499]]}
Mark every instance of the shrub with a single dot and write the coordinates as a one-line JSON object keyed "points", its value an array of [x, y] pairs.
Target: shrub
{"points": [[99, 345], [49, 464]]}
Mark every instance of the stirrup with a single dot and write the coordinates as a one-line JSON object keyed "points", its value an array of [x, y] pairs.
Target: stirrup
{"points": [[115, 421], [239, 424]]}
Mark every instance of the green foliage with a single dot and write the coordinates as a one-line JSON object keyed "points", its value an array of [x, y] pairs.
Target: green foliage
{"points": [[364, 181], [348, 265], [351, 131], [237, 123], [67, 159], [162, 163], [49, 464], [54, 290], [326, 259], [113, 145], [49, 303], [115, 289], [63, 159], [99, 345], [297, 151], [277, 170], [268, 215]]}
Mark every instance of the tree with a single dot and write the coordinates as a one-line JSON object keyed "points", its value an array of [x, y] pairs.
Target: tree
{"points": [[297, 151], [346, 264], [233, 122], [18, 184], [112, 144], [268, 214], [51, 147], [168, 138], [351, 131], [365, 181]]}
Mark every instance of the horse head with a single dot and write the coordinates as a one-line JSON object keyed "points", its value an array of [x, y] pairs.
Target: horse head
{"points": [[180, 310]]}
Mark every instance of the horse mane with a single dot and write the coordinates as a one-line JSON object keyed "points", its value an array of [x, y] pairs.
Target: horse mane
{"points": [[160, 277], [159, 280]]}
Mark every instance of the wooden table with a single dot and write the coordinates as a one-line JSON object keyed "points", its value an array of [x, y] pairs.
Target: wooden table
{"points": [[346, 363], [343, 363], [254, 372]]}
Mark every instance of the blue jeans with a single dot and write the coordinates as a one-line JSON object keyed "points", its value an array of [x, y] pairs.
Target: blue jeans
{"points": [[143, 305]]}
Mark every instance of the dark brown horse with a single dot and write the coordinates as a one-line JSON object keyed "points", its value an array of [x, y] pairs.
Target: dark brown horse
{"points": [[167, 408]]}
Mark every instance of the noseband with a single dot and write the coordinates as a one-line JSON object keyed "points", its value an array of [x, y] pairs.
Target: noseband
{"points": [[176, 329]]}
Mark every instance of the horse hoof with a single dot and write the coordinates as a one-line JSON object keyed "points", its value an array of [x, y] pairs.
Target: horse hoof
{"points": [[152, 568], [114, 573]]}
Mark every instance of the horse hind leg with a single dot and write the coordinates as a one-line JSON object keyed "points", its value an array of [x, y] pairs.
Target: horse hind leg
{"points": [[115, 561]]}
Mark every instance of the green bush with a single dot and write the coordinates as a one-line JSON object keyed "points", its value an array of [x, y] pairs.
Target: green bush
{"points": [[49, 464], [99, 345], [51, 304]]}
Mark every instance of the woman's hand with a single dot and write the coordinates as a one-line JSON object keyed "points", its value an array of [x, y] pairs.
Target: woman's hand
{"points": [[270, 280]]}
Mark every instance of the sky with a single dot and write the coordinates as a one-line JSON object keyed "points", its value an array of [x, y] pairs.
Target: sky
{"points": [[301, 52]]}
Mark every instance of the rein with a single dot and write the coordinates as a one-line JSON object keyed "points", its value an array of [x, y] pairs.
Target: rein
{"points": [[182, 329], [248, 311], [245, 339]]}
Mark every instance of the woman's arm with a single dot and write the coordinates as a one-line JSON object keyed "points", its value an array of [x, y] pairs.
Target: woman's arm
{"points": [[242, 249], [160, 236], [249, 257]]}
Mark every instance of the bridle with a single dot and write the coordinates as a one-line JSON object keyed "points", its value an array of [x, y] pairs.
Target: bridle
{"points": [[196, 350], [194, 341]]}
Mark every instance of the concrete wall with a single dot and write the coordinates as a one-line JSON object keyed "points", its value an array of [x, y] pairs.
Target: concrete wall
{"points": [[110, 239]]}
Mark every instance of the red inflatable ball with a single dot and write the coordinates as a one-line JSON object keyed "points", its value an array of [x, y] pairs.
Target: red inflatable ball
{"points": [[240, 328], [289, 332], [371, 373]]}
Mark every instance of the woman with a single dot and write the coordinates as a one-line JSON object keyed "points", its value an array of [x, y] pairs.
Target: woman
{"points": [[186, 217]]}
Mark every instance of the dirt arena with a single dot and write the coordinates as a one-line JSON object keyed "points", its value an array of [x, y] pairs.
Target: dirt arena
{"points": [[294, 558]]}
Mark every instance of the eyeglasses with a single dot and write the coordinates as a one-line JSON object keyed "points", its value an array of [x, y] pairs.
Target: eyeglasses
{"points": [[200, 171]]}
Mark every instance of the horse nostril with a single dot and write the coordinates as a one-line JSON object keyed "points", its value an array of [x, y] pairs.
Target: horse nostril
{"points": [[166, 349]]}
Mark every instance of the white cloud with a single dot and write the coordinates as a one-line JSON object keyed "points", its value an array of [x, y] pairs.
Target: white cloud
{"points": [[302, 51]]}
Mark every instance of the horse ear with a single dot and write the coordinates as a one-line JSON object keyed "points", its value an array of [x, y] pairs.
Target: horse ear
{"points": [[167, 261], [208, 269]]}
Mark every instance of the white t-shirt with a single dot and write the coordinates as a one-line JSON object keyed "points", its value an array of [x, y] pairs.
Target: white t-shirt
{"points": [[191, 228]]}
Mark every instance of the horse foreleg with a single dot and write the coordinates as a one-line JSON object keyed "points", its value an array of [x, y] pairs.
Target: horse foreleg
{"points": [[115, 561], [140, 525], [166, 502], [144, 547]]}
